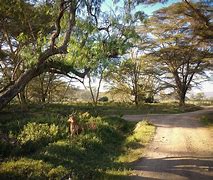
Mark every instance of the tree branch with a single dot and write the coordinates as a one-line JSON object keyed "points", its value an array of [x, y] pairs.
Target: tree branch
{"points": [[57, 23]]}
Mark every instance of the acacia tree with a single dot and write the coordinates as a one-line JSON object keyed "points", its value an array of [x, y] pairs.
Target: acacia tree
{"points": [[177, 52], [19, 29], [201, 16], [133, 78], [47, 47], [56, 45]]}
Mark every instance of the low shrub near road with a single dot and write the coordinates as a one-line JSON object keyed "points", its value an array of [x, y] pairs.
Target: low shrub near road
{"points": [[207, 119]]}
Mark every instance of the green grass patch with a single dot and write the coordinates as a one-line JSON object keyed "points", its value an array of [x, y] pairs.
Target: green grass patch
{"points": [[102, 109], [43, 149], [136, 142], [26, 168], [207, 119]]}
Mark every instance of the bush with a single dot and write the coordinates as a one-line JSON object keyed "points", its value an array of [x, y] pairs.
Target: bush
{"points": [[34, 136], [30, 169], [104, 99], [36, 132]]}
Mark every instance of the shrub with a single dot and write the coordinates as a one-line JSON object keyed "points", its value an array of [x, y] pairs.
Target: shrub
{"points": [[34, 136], [30, 169], [104, 99], [36, 132]]}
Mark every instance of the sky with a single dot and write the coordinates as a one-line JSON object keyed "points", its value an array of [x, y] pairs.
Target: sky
{"points": [[149, 9]]}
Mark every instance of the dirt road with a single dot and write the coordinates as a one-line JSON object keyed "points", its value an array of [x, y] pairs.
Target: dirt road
{"points": [[181, 149]]}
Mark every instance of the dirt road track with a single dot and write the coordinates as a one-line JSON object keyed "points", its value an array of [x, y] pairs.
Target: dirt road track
{"points": [[181, 149]]}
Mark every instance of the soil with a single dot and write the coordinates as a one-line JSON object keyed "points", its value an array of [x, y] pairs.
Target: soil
{"points": [[182, 148]]}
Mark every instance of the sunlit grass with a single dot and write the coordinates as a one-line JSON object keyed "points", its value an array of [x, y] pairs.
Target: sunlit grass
{"points": [[136, 142]]}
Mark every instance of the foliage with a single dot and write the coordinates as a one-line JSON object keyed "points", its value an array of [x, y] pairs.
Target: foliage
{"points": [[207, 119], [180, 60], [35, 136], [36, 132], [30, 169], [89, 155], [104, 99], [132, 78]]}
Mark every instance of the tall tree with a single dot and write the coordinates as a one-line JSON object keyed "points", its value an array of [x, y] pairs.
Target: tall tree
{"points": [[178, 53], [49, 35]]}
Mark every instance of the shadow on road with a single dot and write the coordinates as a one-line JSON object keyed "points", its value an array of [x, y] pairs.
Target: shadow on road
{"points": [[195, 168]]}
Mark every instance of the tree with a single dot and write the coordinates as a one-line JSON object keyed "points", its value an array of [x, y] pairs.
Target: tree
{"points": [[55, 41], [201, 16], [19, 29], [180, 56], [132, 77], [42, 62], [43, 88], [104, 49], [47, 40]]}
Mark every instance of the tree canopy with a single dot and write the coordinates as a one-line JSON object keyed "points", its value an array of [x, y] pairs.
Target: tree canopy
{"points": [[79, 37]]}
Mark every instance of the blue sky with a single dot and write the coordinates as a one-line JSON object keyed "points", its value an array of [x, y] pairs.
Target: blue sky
{"points": [[149, 9]]}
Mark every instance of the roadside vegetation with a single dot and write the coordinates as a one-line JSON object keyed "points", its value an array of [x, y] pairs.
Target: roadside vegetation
{"points": [[36, 144], [207, 119]]}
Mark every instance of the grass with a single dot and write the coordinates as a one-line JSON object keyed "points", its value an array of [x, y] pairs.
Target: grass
{"points": [[201, 102], [105, 108], [207, 119], [105, 152], [135, 143]]}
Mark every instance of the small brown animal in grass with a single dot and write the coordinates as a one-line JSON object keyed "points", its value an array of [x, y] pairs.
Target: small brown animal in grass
{"points": [[74, 127]]}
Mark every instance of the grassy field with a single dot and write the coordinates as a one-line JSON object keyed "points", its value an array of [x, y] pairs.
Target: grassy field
{"points": [[106, 108], [35, 143]]}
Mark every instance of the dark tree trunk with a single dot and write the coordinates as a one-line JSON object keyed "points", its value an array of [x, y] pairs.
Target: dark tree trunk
{"points": [[182, 101], [43, 98], [19, 85], [136, 100], [23, 100], [182, 98]]}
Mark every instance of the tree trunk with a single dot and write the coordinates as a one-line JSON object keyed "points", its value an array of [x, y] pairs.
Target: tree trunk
{"points": [[23, 100], [91, 90], [136, 100], [19, 85], [182, 98], [43, 98]]}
